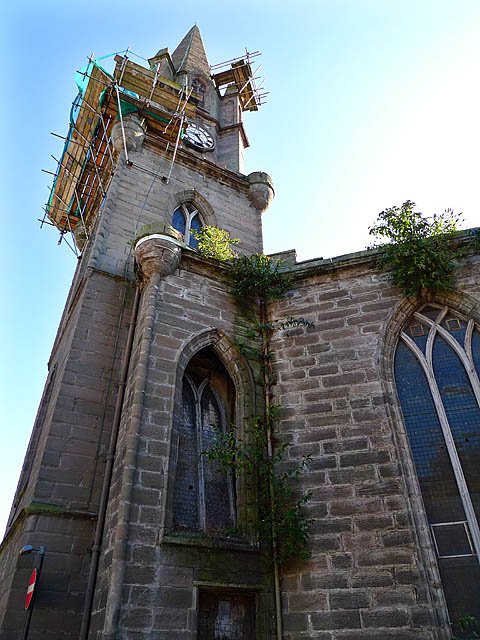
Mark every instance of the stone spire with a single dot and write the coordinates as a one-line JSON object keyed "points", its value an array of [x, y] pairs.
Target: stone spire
{"points": [[190, 54]]}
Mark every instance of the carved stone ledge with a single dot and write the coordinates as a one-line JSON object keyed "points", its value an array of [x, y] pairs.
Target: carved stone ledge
{"points": [[158, 250]]}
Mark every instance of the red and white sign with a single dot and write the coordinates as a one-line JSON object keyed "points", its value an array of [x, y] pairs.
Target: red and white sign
{"points": [[30, 588]]}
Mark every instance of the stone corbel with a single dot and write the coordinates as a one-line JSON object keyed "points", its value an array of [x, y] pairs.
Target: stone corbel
{"points": [[158, 250], [260, 192]]}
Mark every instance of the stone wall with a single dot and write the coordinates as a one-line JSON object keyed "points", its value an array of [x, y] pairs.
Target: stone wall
{"points": [[372, 573], [138, 196], [162, 573], [58, 494], [65, 463]]}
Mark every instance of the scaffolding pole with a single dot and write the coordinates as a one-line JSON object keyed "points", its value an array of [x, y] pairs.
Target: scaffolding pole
{"points": [[105, 128], [247, 55], [76, 195], [69, 226], [127, 161], [91, 149]]}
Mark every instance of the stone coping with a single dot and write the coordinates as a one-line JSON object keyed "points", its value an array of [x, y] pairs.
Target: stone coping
{"points": [[159, 236], [288, 263]]}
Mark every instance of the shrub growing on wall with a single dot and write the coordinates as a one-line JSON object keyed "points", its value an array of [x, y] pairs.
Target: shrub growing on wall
{"points": [[418, 251]]}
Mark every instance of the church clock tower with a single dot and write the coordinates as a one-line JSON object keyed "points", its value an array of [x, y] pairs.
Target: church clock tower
{"points": [[144, 538]]}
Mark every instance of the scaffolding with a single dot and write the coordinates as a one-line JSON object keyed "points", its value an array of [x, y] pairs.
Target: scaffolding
{"points": [[238, 72], [89, 158], [87, 161]]}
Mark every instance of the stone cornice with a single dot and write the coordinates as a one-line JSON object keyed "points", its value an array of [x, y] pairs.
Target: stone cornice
{"points": [[188, 159]]}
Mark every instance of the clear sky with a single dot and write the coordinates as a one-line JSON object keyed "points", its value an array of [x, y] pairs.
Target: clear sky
{"points": [[372, 102]]}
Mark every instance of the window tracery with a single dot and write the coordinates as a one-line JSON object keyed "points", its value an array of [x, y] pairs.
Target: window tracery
{"points": [[436, 372], [204, 499], [186, 219]]}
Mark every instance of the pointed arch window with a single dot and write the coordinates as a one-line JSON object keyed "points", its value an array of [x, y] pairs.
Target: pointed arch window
{"points": [[204, 498], [186, 219], [436, 371]]}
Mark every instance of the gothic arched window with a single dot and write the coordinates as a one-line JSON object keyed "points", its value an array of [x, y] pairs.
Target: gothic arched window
{"points": [[437, 363], [204, 498], [187, 219]]}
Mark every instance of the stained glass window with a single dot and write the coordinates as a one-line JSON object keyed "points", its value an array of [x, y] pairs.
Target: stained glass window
{"points": [[436, 372], [186, 484], [204, 498], [186, 219]]}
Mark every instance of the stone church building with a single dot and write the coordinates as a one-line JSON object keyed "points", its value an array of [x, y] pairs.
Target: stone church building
{"points": [[382, 393]]}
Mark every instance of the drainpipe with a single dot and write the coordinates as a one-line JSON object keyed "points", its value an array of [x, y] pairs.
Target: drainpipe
{"points": [[92, 576], [267, 398]]}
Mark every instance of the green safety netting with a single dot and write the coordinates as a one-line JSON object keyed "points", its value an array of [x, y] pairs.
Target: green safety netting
{"points": [[82, 78]]}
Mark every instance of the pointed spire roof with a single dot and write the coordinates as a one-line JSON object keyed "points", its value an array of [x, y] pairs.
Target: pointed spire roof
{"points": [[190, 54]]}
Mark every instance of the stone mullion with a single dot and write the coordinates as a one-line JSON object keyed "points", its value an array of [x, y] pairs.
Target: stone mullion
{"points": [[465, 356], [447, 434], [202, 510]]}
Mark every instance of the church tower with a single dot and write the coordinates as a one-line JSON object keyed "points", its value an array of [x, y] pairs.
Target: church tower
{"points": [[143, 538]]}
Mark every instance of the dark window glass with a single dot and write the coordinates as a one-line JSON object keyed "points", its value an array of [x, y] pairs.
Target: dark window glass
{"points": [[185, 502], [435, 473], [452, 539], [187, 220], [431, 312], [476, 349], [195, 225], [178, 221], [456, 327], [458, 564], [217, 497], [203, 497], [226, 616], [463, 413]]}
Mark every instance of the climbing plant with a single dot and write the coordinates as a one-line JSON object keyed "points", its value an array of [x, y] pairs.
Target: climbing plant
{"points": [[464, 625], [283, 522], [280, 515], [257, 276], [417, 250]]}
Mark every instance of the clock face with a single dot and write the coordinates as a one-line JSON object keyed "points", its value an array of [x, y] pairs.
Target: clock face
{"points": [[198, 137]]}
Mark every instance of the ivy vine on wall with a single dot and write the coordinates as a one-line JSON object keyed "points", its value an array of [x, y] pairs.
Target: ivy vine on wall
{"points": [[255, 282]]}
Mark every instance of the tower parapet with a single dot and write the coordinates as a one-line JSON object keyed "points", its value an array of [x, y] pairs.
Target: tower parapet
{"points": [[260, 192]]}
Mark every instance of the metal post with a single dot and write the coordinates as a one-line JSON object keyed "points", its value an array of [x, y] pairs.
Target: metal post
{"points": [[127, 162], [41, 551], [176, 147]]}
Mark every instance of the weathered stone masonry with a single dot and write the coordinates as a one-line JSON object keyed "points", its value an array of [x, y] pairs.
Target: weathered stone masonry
{"points": [[373, 572]]}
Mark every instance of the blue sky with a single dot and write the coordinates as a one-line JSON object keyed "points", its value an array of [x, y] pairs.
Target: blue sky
{"points": [[372, 102]]}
